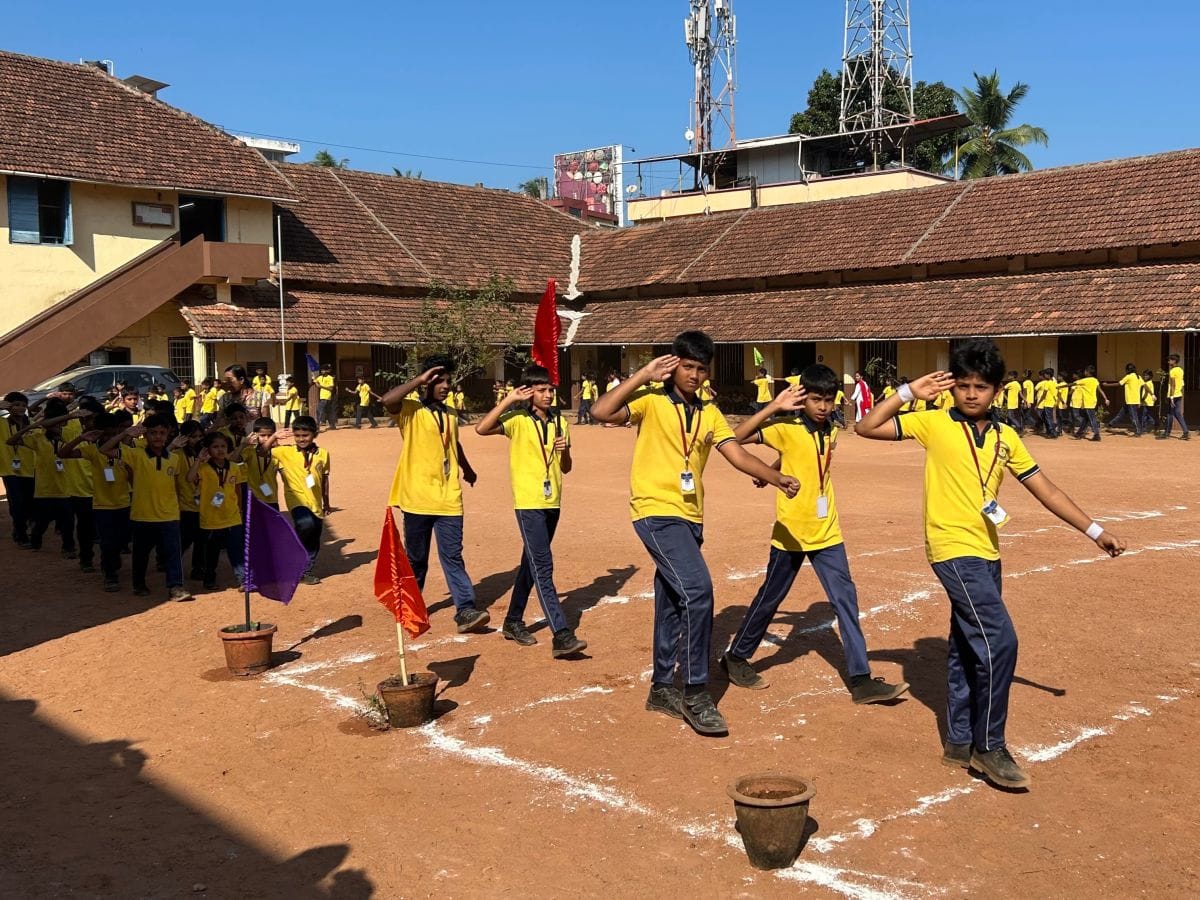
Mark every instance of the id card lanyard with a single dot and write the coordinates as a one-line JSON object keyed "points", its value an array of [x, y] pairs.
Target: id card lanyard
{"points": [[992, 511], [263, 470], [218, 498], [543, 432], [824, 466], [309, 452], [687, 480], [444, 434]]}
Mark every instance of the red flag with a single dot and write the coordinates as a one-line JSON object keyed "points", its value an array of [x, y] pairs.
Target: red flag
{"points": [[546, 329], [395, 584]]}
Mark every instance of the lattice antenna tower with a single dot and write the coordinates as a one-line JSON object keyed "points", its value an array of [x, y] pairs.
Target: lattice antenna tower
{"points": [[710, 31], [877, 84]]}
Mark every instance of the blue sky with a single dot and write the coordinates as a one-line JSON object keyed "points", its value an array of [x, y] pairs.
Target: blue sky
{"points": [[516, 82]]}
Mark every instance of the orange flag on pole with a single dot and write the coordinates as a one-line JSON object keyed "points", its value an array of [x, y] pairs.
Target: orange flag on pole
{"points": [[395, 584]]}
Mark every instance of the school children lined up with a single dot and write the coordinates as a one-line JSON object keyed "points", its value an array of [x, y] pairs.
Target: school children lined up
{"points": [[134, 479]]}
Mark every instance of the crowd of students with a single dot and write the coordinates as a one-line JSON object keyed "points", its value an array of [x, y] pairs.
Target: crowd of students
{"points": [[158, 476]]}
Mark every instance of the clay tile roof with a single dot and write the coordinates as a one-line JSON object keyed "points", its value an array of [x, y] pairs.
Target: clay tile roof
{"points": [[74, 121], [316, 316], [360, 228], [1122, 203], [1109, 299]]}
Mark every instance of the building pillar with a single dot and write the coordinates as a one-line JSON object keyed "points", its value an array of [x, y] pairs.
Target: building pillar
{"points": [[199, 360]]}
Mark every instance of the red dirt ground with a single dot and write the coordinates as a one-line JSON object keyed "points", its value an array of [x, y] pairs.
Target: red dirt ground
{"points": [[136, 767]]}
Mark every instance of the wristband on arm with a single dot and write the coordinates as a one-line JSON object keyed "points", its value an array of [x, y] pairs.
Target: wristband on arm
{"points": [[905, 393], [1094, 531]]}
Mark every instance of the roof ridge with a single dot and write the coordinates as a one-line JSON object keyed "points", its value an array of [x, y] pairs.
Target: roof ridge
{"points": [[713, 243], [370, 212], [938, 221]]}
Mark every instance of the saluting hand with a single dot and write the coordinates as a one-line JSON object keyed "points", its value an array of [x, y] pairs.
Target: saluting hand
{"points": [[927, 387], [789, 399], [517, 395], [659, 369], [429, 376]]}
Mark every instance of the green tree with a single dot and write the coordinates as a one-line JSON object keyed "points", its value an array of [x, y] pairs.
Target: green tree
{"points": [[824, 107], [474, 328], [409, 173], [328, 160], [537, 188], [991, 145]]}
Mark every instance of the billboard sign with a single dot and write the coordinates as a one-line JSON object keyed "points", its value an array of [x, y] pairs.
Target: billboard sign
{"points": [[593, 176]]}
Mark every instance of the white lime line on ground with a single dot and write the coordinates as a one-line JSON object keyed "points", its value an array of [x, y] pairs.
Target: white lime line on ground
{"points": [[542, 701]]}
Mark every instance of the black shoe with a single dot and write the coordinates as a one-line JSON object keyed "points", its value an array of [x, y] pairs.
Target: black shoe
{"points": [[111, 585], [309, 578], [566, 644], [87, 567], [999, 767], [140, 590], [470, 619], [865, 689], [741, 673], [957, 756], [210, 585], [666, 700], [701, 713], [1187, 436], [516, 631]]}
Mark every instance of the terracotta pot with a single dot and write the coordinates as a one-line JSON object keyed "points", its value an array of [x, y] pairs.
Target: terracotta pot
{"points": [[248, 652], [772, 811], [409, 704]]}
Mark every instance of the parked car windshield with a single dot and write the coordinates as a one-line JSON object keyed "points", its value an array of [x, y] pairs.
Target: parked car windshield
{"points": [[51, 384]]}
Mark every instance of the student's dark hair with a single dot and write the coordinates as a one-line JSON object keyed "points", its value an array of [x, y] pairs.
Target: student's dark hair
{"points": [[68, 386], [263, 422], [129, 392], [795, 371], [124, 418], [1130, 368], [1173, 356], [304, 423], [191, 428], [978, 356], [234, 408], [1149, 372], [820, 379], [1090, 370], [15, 397], [438, 360], [213, 436], [92, 405], [535, 375], [693, 345], [159, 420], [104, 421], [55, 408], [237, 372]]}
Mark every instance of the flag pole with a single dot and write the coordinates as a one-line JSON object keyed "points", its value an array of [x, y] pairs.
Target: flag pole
{"points": [[246, 557], [400, 644]]}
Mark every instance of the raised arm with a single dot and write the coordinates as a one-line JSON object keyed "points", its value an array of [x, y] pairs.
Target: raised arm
{"points": [[490, 423], [610, 407], [787, 400], [393, 398], [877, 423]]}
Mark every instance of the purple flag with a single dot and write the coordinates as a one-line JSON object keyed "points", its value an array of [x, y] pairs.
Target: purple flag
{"points": [[275, 558]]}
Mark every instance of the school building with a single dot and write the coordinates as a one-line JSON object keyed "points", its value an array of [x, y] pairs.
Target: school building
{"points": [[133, 231]]}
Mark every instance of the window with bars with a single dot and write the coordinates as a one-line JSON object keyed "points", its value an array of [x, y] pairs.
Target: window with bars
{"points": [[729, 365], [1191, 361], [179, 357]]}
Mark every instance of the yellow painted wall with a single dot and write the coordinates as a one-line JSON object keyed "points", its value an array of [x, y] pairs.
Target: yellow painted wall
{"points": [[917, 358]]}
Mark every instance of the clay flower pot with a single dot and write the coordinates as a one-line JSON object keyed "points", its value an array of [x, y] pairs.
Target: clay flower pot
{"points": [[772, 811], [248, 652], [411, 704]]}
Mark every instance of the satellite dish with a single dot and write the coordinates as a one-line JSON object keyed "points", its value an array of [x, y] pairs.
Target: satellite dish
{"points": [[689, 135], [632, 189]]}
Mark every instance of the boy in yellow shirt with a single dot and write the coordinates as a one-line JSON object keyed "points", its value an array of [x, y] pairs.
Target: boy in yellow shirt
{"points": [[806, 527], [1131, 386], [304, 468], [677, 431], [17, 465], [1149, 400], [426, 484], [1012, 402], [588, 392], [539, 455], [291, 405], [764, 385], [1089, 391], [966, 455], [154, 510], [1045, 399], [326, 404], [363, 393], [110, 491], [1175, 398], [216, 478], [208, 401], [262, 472], [51, 488]]}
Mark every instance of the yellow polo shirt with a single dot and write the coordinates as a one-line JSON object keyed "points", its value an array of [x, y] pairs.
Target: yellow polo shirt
{"points": [[658, 454], [706, 392], [888, 390], [50, 472], [1086, 388], [944, 400], [262, 383], [1175, 383], [422, 484], [1149, 396], [1047, 392], [794, 381], [79, 473], [110, 478], [325, 383], [293, 399], [1133, 388], [587, 390], [801, 444], [155, 495], [764, 389], [296, 467], [364, 394], [21, 454], [954, 495], [532, 459], [229, 513], [187, 493], [182, 408], [1012, 395], [208, 405], [1064, 391], [259, 472], [1027, 391]]}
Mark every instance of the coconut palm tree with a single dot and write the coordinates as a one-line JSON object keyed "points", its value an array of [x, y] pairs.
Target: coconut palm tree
{"points": [[991, 143]]}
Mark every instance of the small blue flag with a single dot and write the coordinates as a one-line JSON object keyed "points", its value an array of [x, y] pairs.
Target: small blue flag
{"points": [[313, 365]]}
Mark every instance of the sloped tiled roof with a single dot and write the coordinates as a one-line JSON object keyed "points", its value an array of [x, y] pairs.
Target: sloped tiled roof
{"points": [[74, 121], [361, 228], [1110, 299], [1123, 203]]}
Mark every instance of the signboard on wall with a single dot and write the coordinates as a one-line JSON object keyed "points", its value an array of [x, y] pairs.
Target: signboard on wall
{"points": [[593, 176]]}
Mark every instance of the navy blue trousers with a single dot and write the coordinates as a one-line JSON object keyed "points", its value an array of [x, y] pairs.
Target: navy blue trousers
{"points": [[1087, 419], [537, 568], [59, 511], [112, 527], [833, 571], [982, 655], [19, 491], [683, 598], [162, 537], [1175, 414], [309, 527], [418, 529]]}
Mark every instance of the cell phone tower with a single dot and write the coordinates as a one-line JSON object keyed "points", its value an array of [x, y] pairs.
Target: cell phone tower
{"points": [[877, 86], [710, 31]]}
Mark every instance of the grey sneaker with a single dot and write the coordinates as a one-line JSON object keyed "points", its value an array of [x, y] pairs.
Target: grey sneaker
{"points": [[666, 700], [741, 673], [470, 619], [566, 644], [701, 713], [957, 756], [865, 689], [180, 595], [516, 631], [999, 767]]}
